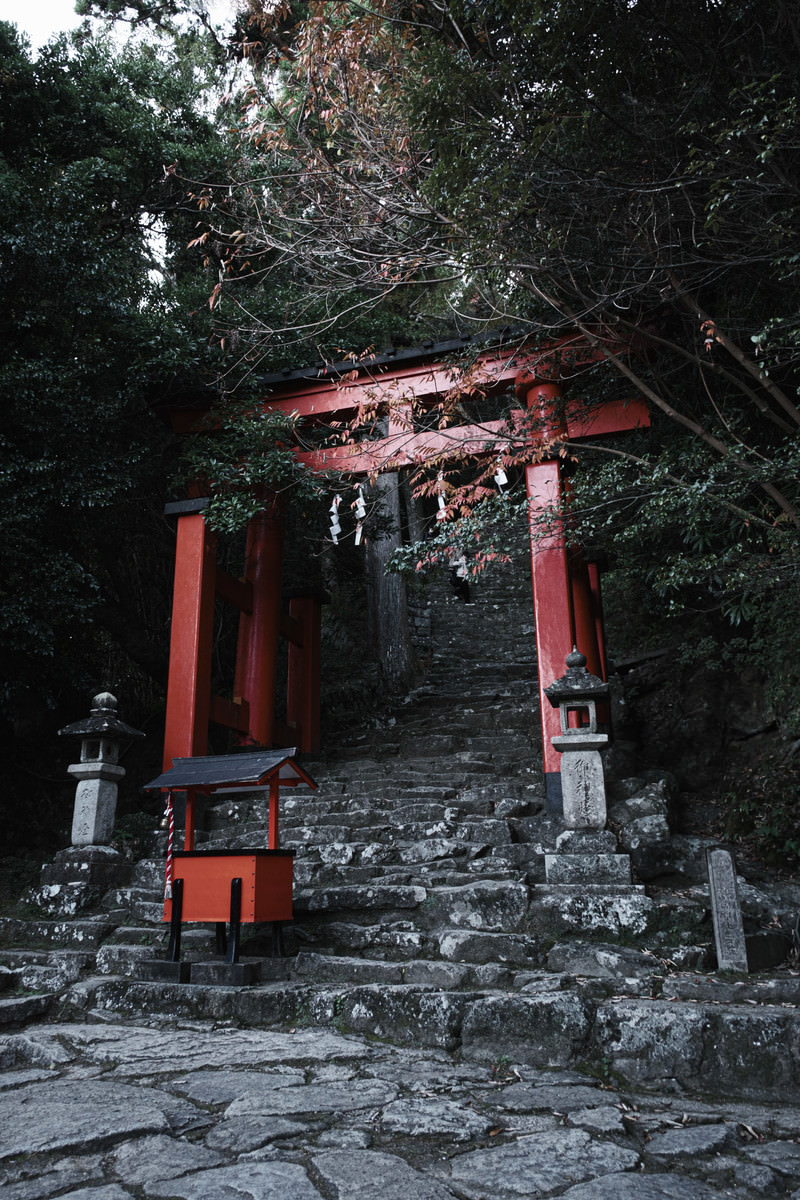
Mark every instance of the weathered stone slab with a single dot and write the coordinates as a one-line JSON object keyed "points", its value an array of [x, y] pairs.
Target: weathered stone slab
{"points": [[551, 1098], [81, 934], [564, 908], [367, 1174], [726, 911], [399, 1013], [606, 1118], [434, 1117], [485, 905], [109, 1191], [16, 1010], [370, 897], [160, 969], [783, 1157], [546, 1030], [142, 1050], [328, 968], [586, 841], [725, 1050], [431, 849], [587, 868], [481, 946], [54, 1180], [651, 1042], [601, 961], [266, 1180], [156, 1158], [222, 1087], [539, 1165], [692, 1140], [246, 1134], [60, 968], [642, 1187], [65, 1116], [221, 974], [313, 1098], [427, 973]]}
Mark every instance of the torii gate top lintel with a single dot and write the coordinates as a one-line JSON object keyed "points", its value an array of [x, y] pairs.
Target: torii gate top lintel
{"points": [[537, 376]]}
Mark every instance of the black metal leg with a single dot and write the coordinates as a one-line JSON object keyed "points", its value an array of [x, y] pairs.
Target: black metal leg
{"points": [[221, 938], [174, 947], [236, 921], [277, 939]]}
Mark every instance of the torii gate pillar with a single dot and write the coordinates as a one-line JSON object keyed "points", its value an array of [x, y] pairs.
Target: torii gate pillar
{"points": [[256, 655], [566, 601]]}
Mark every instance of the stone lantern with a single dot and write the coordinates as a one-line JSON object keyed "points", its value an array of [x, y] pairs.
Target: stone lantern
{"points": [[79, 876], [583, 786], [98, 772]]}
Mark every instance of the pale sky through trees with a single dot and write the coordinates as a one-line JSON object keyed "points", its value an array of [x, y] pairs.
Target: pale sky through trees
{"points": [[40, 19]]}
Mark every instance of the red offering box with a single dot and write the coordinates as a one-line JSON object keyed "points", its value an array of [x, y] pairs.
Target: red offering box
{"points": [[266, 877]]}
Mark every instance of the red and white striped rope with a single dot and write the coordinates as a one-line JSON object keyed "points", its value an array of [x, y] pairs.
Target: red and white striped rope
{"points": [[170, 815]]}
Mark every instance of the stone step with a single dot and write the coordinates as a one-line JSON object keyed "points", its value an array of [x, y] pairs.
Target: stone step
{"points": [[19, 1010], [557, 909], [47, 970], [78, 933], [360, 898], [448, 976], [140, 904], [750, 1051]]}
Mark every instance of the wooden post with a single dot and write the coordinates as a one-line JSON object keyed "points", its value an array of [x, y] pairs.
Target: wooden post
{"points": [[594, 568], [191, 812], [189, 686], [586, 631], [274, 813], [258, 630]]}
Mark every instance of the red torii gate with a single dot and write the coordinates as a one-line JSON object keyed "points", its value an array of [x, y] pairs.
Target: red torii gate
{"points": [[566, 589]]}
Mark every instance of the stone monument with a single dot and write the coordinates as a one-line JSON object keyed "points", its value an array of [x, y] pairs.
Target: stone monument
{"points": [[726, 911]]}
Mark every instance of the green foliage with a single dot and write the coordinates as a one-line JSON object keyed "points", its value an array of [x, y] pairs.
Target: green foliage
{"points": [[486, 535], [95, 326], [244, 456], [763, 814]]}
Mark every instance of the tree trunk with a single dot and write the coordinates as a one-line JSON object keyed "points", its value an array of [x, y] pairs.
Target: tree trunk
{"points": [[386, 594]]}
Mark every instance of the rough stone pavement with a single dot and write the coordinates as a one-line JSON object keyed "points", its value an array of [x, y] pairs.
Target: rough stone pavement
{"points": [[112, 1111]]}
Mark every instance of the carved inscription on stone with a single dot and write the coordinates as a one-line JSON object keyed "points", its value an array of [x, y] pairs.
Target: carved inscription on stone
{"points": [[583, 790], [726, 911]]}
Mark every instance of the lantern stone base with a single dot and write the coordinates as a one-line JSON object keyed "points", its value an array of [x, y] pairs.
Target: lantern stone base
{"points": [[587, 856], [78, 878]]}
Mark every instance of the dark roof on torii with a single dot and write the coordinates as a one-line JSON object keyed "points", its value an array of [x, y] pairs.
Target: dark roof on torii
{"points": [[406, 357]]}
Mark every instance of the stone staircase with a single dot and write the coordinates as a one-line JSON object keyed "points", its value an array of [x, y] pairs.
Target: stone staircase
{"points": [[422, 914]]}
